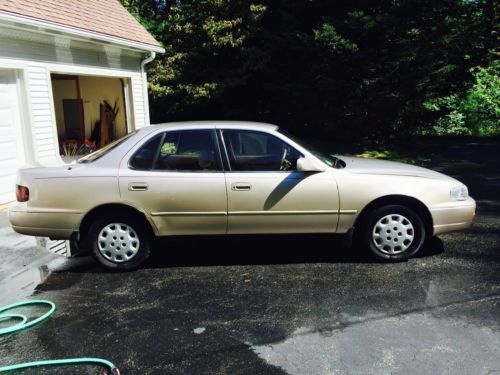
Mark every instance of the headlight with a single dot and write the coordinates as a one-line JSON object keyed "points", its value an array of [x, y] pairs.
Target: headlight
{"points": [[459, 193]]}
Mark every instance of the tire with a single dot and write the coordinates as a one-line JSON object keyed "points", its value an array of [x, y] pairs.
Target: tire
{"points": [[392, 233], [119, 244]]}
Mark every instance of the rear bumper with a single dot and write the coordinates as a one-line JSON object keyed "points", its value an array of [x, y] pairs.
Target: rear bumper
{"points": [[56, 224], [453, 216]]}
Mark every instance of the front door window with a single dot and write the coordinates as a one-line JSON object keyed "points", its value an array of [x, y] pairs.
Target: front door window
{"points": [[256, 151]]}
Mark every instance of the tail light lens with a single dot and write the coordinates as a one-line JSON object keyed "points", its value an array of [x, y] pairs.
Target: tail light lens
{"points": [[22, 193]]}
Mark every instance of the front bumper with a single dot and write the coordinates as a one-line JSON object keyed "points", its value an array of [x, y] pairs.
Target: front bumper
{"points": [[453, 216]]}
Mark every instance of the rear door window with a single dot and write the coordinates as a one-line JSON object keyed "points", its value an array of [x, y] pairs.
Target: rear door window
{"points": [[192, 150]]}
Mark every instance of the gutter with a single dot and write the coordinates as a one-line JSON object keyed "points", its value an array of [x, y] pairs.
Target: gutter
{"points": [[34, 24], [144, 79]]}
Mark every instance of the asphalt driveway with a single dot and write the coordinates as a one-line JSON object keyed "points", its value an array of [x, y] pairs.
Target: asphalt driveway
{"points": [[279, 304]]}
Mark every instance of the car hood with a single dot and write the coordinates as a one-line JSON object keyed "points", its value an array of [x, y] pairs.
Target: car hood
{"points": [[385, 167]]}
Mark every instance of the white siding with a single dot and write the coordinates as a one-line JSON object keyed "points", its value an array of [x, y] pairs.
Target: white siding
{"points": [[44, 130], [52, 49], [138, 99]]}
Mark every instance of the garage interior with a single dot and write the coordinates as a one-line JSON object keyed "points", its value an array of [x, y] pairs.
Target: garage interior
{"points": [[90, 112]]}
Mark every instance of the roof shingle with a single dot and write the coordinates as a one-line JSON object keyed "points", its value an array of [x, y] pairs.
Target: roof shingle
{"points": [[106, 17]]}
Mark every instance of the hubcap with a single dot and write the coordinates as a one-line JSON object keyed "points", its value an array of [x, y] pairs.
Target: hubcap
{"points": [[118, 242], [393, 234]]}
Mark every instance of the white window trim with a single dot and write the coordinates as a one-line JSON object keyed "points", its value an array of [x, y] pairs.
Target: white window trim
{"points": [[95, 72], [21, 66]]}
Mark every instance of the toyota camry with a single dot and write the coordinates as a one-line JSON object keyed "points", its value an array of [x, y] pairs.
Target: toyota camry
{"points": [[217, 178]]}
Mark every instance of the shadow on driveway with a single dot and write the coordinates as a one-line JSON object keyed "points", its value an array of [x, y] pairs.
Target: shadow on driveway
{"points": [[207, 251]]}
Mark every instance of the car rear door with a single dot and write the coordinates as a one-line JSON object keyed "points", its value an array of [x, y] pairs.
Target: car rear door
{"points": [[264, 198], [176, 177]]}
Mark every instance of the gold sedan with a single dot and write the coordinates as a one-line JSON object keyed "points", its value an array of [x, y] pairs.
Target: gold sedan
{"points": [[199, 178]]}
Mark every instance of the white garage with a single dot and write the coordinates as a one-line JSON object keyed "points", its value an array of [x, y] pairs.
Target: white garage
{"points": [[12, 153], [71, 75]]}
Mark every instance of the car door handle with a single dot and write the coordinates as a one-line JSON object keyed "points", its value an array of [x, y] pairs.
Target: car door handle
{"points": [[138, 186], [241, 186]]}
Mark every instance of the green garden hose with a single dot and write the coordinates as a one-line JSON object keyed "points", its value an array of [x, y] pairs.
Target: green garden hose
{"points": [[24, 323]]}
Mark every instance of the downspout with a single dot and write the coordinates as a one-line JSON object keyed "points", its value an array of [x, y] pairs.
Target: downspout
{"points": [[144, 79]]}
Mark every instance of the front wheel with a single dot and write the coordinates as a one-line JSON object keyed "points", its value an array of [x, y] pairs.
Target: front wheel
{"points": [[392, 233], [119, 244]]}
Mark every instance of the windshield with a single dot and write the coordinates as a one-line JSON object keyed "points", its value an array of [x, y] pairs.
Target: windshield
{"points": [[103, 151], [325, 158]]}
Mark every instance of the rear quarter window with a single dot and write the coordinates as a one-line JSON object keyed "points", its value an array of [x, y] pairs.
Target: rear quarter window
{"points": [[144, 158], [105, 150]]}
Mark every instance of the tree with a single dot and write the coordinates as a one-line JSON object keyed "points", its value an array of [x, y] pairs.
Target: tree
{"points": [[340, 69]]}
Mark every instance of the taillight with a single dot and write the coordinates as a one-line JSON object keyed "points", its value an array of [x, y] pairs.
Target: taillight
{"points": [[22, 193]]}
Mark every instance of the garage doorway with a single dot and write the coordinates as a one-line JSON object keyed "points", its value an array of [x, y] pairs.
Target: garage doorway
{"points": [[12, 152], [90, 112]]}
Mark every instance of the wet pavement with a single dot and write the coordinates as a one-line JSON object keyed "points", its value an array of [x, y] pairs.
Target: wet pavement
{"points": [[276, 304]]}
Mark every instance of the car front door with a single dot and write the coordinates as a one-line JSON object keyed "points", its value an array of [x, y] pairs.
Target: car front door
{"points": [[265, 192], [177, 178]]}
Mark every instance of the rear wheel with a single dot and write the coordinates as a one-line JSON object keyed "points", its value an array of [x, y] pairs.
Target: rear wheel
{"points": [[120, 244], [392, 233]]}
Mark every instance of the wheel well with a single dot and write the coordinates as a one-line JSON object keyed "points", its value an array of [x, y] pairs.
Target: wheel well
{"points": [[120, 210], [403, 200]]}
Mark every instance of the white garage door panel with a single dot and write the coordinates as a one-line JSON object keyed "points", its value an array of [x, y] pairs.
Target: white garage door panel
{"points": [[8, 150], [11, 140], [7, 188], [8, 167], [5, 116]]}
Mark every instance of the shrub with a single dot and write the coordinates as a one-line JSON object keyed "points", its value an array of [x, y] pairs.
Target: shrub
{"points": [[481, 106], [477, 112]]}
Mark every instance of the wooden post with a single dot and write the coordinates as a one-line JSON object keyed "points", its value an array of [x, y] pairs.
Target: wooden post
{"points": [[105, 122]]}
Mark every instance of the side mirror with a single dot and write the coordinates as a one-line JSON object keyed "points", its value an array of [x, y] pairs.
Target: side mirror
{"points": [[306, 165]]}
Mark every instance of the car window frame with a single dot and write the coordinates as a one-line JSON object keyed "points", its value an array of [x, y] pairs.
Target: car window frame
{"points": [[218, 157], [227, 161]]}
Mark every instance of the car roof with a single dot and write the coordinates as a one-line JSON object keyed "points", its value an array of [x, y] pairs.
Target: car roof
{"points": [[217, 125]]}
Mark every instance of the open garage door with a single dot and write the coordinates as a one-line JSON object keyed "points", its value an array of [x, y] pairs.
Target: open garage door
{"points": [[90, 112], [11, 139]]}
